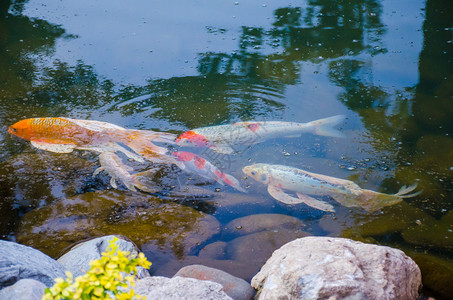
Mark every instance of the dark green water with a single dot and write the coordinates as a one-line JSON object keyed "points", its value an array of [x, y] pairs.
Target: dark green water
{"points": [[173, 66]]}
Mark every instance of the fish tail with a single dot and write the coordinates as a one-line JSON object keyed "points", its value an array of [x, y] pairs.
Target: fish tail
{"points": [[230, 180], [325, 126], [372, 201], [404, 191]]}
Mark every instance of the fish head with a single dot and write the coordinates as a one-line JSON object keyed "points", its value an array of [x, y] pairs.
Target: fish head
{"points": [[258, 172], [191, 138], [22, 129]]}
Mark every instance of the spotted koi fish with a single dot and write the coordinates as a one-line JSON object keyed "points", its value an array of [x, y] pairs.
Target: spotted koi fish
{"points": [[63, 135], [221, 138], [200, 166], [303, 183]]}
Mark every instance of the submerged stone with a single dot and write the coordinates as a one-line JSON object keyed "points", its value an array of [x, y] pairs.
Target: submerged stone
{"points": [[435, 233], [216, 250], [437, 273], [35, 179], [143, 218], [254, 249], [260, 222]]}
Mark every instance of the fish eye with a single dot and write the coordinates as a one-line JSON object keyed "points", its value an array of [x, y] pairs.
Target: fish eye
{"points": [[253, 173], [14, 129]]}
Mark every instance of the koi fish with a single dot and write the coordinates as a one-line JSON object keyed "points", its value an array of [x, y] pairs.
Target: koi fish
{"points": [[200, 166], [303, 183], [220, 138], [113, 165], [63, 135]]}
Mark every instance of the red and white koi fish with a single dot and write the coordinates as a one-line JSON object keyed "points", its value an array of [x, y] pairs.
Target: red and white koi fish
{"points": [[220, 138], [63, 135], [303, 183], [202, 167]]}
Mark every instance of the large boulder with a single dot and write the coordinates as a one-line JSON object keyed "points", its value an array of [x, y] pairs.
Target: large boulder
{"points": [[234, 287], [163, 288], [24, 289], [21, 262], [77, 260], [337, 268]]}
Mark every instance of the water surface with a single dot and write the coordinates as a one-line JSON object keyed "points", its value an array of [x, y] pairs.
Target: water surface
{"points": [[385, 65]]}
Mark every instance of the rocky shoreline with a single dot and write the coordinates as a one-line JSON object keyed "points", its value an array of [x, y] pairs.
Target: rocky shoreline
{"points": [[305, 268]]}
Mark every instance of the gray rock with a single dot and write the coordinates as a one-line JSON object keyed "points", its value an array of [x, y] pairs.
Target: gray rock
{"points": [[256, 248], [214, 250], [260, 222], [336, 268], [20, 262], [234, 287], [77, 260], [239, 269], [163, 288], [24, 289]]}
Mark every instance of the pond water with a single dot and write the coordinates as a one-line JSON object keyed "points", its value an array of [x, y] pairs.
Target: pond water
{"points": [[172, 66]]}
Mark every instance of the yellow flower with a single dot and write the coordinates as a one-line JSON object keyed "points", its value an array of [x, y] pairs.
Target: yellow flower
{"points": [[102, 279]]}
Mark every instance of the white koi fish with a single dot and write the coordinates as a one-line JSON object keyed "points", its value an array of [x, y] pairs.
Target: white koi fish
{"points": [[194, 163], [221, 138], [113, 165], [303, 183]]}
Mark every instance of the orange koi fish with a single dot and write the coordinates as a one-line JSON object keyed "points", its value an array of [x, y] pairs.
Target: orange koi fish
{"points": [[63, 135], [200, 166], [221, 138]]}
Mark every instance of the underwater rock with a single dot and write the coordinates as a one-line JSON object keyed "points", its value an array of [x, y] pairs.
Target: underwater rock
{"points": [[179, 288], [254, 249], [234, 287], [24, 289], [216, 250], [239, 269], [437, 233], [143, 218], [35, 179], [77, 259], [336, 268], [21, 262], [260, 222], [437, 273], [391, 219], [238, 205]]}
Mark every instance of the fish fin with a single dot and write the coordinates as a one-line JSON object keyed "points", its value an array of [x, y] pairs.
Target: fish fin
{"points": [[113, 183], [144, 181], [224, 149], [97, 171], [324, 126], [163, 137], [278, 194], [57, 148], [310, 201], [94, 125]]}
